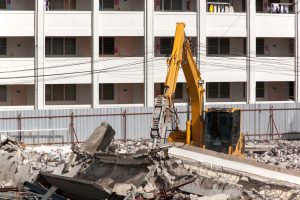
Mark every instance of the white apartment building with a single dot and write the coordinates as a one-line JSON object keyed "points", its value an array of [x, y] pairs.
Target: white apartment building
{"points": [[94, 53]]}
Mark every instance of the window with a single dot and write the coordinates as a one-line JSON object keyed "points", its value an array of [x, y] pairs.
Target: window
{"points": [[291, 90], [3, 93], [169, 5], [60, 46], [2, 4], [244, 46], [260, 89], [178, 91], [60, 92], [218, 90], [244, 5], [260, 46], [106, 4], [62, 4], [259, 6], [106, 91], [2, 46], [291, 47], [218, 46], [166, 45], [106, 46]]}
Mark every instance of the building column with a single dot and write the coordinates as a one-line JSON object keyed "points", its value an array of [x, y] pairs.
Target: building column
{"points": [[95, 54], [201, 37], [251, 51], [39, 87], [297, 51], [149, 53]]}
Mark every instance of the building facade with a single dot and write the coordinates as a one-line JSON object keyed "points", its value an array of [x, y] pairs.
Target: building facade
{"points": [[94, 53]]}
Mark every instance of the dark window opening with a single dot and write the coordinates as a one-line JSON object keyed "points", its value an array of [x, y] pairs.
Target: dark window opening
{"points": [[292, 90], [60, 46], [106, 46], [260, 46], [218, 46], [61, 92], [260, 89], [3, 47], [106, 91]]}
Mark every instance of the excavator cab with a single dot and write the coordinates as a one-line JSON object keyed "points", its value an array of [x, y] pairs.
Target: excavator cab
{"points": [[222, 131]]}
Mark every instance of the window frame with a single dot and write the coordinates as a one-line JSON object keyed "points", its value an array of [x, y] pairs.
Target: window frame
{"points": [[217, 48], [260, 89], [217, 91], [49, 50], [4, 46], [4, 93], [101, 5], [102, 42], [260, 46], [102, 92], [49, 94], [64, 5]]}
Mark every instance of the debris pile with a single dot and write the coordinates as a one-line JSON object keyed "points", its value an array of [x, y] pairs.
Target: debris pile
{"points": [[106, 169], [19, 163], [281, 153]]}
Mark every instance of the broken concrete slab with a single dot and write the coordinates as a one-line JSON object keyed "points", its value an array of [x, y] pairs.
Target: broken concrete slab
{"points": [[74, 187], [99, 140], [263, 173]]}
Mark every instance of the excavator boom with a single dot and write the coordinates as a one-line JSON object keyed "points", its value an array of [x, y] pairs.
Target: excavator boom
{"points": [[163, 105]]}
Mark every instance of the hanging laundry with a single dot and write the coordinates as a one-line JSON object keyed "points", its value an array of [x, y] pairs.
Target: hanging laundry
{"points": [[215, 8], [211, 8], [275, 8], [281, 8]]}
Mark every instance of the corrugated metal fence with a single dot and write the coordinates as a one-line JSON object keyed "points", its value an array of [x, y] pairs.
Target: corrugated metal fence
{"points": [[259, 121]]}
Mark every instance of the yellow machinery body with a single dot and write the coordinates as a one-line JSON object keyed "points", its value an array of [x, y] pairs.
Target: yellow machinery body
{"points": [[199, 131]]}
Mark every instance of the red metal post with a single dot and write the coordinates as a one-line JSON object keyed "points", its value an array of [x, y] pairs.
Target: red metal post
{"points": [[19, 127]]}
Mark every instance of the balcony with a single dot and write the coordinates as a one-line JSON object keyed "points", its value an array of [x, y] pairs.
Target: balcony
{"points": [[224, 69], [68, 23], [274, 68], [121, 23], [275, 25], [165, 23], [17, 23], [120, 70], [227, 24], [16, 71], [67, 70]]}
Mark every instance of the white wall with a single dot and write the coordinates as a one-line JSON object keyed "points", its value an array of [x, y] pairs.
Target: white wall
{"points": [[226, 25], [165, 23], [68, 23], [16, 23], [121, 23], [275, 25]]}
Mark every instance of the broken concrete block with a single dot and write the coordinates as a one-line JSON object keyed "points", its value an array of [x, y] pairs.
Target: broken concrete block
{"points": [[99, 140], [122, 188]]}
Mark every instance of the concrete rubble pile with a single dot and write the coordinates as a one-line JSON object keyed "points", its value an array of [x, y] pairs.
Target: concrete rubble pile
{"points": [[102, 168], [19, 163], [281, 153]]}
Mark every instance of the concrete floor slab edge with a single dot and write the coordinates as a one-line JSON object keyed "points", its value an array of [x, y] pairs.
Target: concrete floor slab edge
{"points": [[246, 168]]}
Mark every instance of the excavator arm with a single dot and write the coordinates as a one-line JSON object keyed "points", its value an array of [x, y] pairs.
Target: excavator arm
{"points": [[163, 105]]}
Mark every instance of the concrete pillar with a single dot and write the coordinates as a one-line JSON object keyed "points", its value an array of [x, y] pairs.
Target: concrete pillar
{"points": [[251, 51], [149, 52], [201, 37], [39, 87], [95, 53], [297, 51]]}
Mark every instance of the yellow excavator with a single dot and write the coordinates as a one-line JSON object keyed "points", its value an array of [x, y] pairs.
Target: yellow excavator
{"points": [[217, 129]]}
